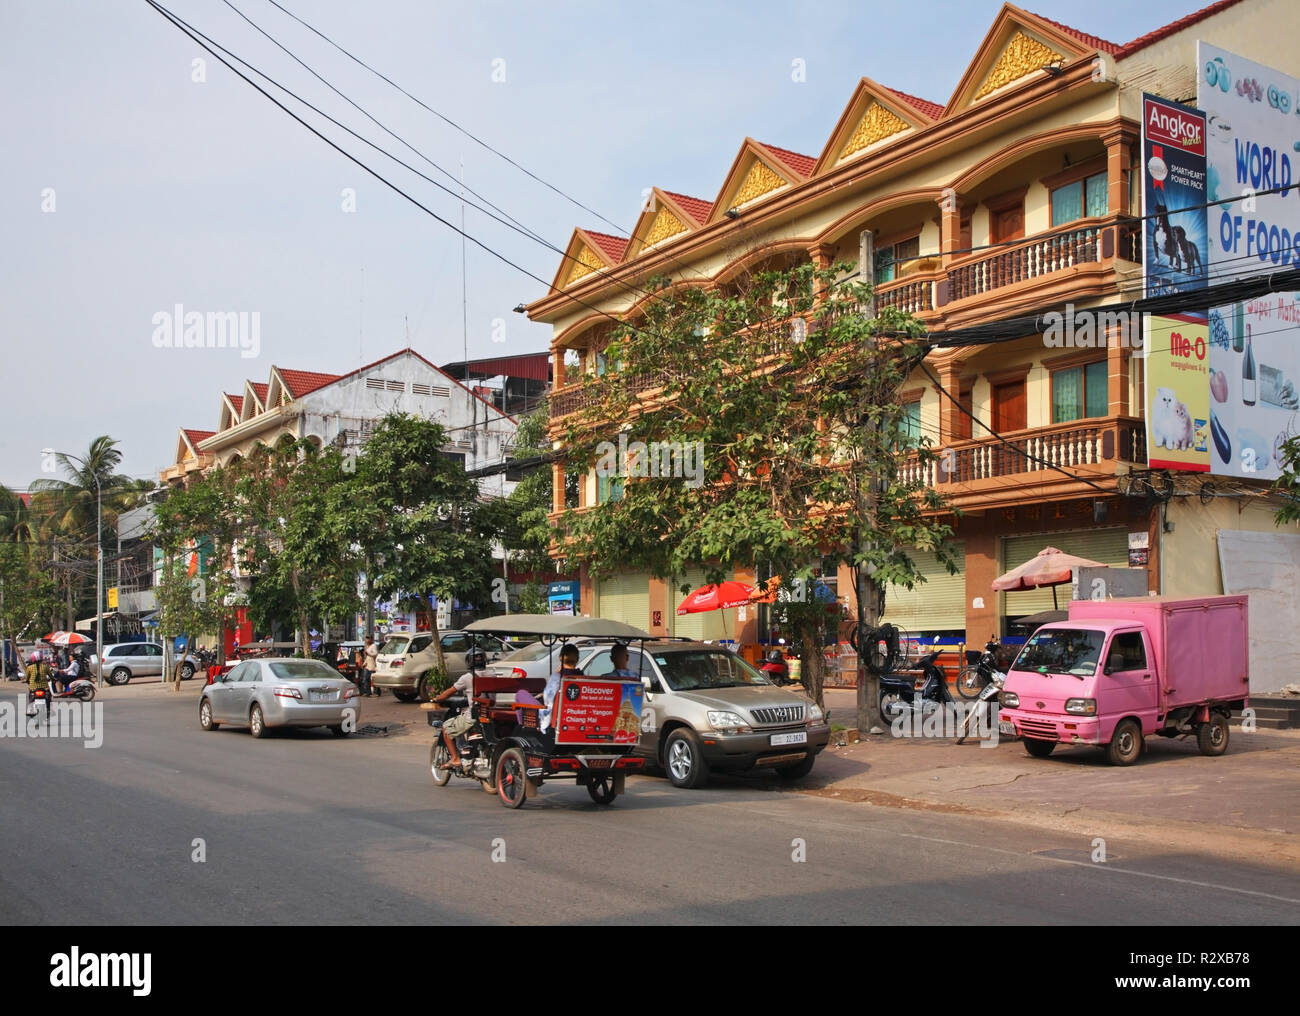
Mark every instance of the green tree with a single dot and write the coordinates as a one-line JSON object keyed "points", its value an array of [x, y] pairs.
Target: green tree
{"points": [[782, 401], [415, 519]]}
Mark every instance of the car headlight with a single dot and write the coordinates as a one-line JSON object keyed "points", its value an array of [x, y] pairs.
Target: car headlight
{"points": [[815, 714], [1081, 706], [728, 723], [1009, 700]]}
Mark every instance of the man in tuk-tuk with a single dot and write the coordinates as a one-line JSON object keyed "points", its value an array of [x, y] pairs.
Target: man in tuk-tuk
{"points": [[568, 668]]}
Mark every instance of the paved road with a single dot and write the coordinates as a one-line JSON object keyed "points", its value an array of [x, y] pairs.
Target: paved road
{"points": [[304, 828]]}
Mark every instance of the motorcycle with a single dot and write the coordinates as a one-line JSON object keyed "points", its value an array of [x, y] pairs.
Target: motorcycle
{"points": [[988, 693], [776, 669], [475, 754], [976, 676], [81, 689], [898, 692]]}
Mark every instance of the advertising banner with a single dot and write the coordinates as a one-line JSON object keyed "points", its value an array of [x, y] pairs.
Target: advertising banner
{"points": [[1173, 196], [1253, 133], [598, 712], [1180, 425]]}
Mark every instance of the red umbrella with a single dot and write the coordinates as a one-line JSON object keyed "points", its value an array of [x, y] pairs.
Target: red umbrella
{"points": [[723, 596], [65, 638], [1049, 567]]}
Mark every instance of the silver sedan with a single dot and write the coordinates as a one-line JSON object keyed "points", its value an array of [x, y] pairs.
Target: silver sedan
{"points": [[265, 693]]}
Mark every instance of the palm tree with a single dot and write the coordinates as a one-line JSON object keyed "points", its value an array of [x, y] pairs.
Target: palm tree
{"points": [[69, 506], [16, 523]]}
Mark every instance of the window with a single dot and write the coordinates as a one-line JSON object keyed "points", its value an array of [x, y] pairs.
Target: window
{"points": [[1083, 199], [910, 428], [1127, 652], [1079, 392], [891, 259], [455, 644], [608, 488]]}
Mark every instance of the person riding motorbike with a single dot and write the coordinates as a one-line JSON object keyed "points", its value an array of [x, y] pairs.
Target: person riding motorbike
{"points": [[38, 677], [462, 721]]}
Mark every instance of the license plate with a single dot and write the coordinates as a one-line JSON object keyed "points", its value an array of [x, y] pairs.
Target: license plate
{"points": [[599, 763], [322, 696], [800, 738], [1007, 727]]}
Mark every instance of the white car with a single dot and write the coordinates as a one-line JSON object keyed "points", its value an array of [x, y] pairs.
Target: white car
{"points": [[265, 693], [541, 661]]}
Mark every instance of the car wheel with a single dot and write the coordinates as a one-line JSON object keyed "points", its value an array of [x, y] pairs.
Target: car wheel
{"points": [[684, 760], [438, 756], [120, 675], [970, 683], [1212, 737], [1125, 744], [797, 771], [512, 778], [257, 722], [205, 715], [601, 789], [424, 689], [1038, 748], [405, 696], [339, 730], [187, 671]]}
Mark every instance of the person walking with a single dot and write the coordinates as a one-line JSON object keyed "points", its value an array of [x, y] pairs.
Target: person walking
{"points": [[371, 654]]}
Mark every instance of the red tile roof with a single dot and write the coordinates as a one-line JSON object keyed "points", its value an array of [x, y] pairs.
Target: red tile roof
{"points": [[801, 164], [697, 208], [237, 401], [931, 109], [1142, 41], [195, 436], [1091, 41], [261, 391], [612, 246], [301, 382]]}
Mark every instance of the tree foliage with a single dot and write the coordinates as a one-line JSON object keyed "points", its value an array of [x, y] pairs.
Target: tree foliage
{"points": [[790, 396]]}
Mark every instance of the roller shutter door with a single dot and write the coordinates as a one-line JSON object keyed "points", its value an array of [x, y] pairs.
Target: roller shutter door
{"points": [[625, 598], [937, 604], [1109, 546], [706, 626]]}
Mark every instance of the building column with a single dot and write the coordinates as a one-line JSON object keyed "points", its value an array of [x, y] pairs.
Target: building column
{"points": [[949, 412], [658, 604], [557, 487], [1117, 366], [1119, 160], [981, 569], [949, 225], [557, 367]]}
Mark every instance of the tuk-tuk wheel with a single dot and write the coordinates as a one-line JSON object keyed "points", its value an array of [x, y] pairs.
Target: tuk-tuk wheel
{"points": [[512, 778], [601, 789]]}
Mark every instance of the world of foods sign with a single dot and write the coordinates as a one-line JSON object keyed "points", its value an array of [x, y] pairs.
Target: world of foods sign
{"points": [[1253, 134]]}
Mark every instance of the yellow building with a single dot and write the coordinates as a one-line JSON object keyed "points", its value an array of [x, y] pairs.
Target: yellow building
{"points": [[1017, 194]]}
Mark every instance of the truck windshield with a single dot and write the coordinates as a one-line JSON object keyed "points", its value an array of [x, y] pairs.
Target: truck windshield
{"points": [[1062, 651]]}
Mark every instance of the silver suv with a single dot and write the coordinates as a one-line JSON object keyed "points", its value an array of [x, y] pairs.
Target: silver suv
{"points": [[706, 709], [126, 660], [405, 662]]}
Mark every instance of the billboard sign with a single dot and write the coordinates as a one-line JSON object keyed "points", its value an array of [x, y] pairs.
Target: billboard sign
{"points": [[1253, 133]]}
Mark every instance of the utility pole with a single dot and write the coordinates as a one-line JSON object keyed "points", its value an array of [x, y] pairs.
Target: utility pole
{"points": [[867, 493]]}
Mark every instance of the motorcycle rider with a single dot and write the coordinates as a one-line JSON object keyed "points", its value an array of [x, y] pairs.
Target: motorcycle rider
{"points": [[462, 721], [38, 676], [69, 673]]}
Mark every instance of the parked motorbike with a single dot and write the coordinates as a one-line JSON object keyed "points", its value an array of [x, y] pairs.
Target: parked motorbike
{"points": [[81, 689], [987, 694], [475, 756], [899, 691], [975, 677], [776, 669]]}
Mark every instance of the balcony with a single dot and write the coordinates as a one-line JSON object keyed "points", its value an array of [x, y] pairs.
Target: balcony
{"points": [[1073, 446], [914, 295], [1094, 243]]}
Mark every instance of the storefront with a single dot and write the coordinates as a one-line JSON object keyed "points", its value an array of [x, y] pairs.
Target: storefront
{"points": [[1105, 546], [936, 606], [624, 597]]}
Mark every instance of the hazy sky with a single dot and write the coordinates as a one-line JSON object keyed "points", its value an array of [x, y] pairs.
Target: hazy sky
{"points": [[128, 187]]}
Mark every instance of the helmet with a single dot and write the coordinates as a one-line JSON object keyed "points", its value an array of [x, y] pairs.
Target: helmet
{"points": [[775, 656], [35, 657]]}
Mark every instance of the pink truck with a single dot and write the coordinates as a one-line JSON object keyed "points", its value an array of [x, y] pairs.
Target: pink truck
{"points": [[1119, 671]]}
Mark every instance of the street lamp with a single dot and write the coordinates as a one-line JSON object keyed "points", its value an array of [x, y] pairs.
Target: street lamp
{"points": [[99, 565]]}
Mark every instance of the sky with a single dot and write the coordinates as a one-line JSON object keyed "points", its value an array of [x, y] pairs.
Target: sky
{"points": [[136, 180]]}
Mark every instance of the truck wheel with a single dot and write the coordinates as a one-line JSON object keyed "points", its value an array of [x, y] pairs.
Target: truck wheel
{"points": [[1212, 737], [1125, 745], [1037, 748]]}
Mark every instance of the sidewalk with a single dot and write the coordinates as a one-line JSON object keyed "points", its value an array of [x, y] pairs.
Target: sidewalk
{"points": [[1245, 800]]}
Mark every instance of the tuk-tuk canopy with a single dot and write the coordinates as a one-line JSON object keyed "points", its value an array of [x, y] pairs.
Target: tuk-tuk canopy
{"points": [[556, 626]]}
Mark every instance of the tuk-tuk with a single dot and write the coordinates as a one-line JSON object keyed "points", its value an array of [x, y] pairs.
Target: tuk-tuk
{"points": [[595, 720]]}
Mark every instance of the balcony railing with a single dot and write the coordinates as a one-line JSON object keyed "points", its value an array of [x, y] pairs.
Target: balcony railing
{"points": [[914, 296], [1090, 244], [1059, 446]]}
